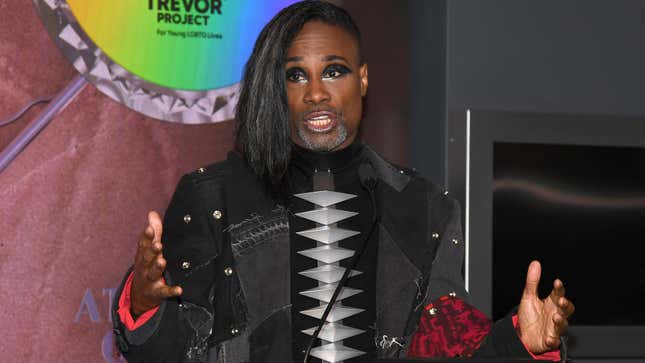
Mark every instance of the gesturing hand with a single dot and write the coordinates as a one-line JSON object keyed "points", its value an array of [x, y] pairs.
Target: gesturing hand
{"points": [[542, 321], [148, 287]]}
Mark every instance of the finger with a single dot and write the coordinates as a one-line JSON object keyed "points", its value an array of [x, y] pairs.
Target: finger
{"points": [[532, 280], [149, 232], [151, 254], [566, 307], [165, 291], [142, 245], [558, 288], [154, 221], [156, 269], [553, 333], [557, 292], [561, 324], [552, 342]]}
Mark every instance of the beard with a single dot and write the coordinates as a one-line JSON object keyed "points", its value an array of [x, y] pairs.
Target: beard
{"points": [[322, 141]]}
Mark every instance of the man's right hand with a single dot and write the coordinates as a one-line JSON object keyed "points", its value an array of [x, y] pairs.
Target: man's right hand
{"points": [[148, 286]]}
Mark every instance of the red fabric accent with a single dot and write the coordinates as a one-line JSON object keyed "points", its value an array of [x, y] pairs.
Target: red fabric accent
{"points": [[553, 355], [456, 329], [124, 309]]}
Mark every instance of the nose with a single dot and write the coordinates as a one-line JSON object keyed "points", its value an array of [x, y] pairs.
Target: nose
{"points": [[316, 92]]}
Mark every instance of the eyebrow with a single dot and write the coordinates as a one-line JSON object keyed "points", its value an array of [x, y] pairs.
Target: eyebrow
{"points": [[334, 57], [326, 58]]}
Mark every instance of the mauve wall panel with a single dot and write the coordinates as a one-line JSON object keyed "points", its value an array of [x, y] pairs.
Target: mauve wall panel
{"points": [[74, 202]]}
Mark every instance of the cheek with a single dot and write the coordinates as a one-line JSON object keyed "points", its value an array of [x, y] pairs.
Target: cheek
{"points": [[293, 95], [353, 108]]}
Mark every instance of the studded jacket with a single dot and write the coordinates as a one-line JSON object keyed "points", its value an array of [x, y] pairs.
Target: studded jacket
{"points": [[226, 243]]}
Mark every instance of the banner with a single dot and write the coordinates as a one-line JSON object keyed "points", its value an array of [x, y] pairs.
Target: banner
{"points": [[174, 60]]}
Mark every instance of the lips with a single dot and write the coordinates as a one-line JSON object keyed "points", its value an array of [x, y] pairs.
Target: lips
{"points": [[320, 121]]}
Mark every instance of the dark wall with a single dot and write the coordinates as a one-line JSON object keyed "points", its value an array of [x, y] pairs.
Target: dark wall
{"points": [[556, 56], [578, 56], [386, 48], [427, 88], [404, 43]]}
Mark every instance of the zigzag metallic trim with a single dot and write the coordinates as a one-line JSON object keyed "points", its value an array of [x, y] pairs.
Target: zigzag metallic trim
{"points": [[328, 273]]}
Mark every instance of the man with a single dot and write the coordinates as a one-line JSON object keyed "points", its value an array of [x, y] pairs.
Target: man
{"points": [[246, 264]]}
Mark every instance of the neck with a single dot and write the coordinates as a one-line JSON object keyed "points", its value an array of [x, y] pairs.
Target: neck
{"points": [[334, 161]]}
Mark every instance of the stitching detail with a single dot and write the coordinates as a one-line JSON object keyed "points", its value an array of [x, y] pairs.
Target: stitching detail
{"points": [[257, 229]]}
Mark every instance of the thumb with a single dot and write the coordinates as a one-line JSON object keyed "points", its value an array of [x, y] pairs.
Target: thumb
{"points": [[154, 222], [532, 280]]}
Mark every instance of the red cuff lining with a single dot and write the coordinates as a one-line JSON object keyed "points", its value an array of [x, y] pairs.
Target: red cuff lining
{"points": [[124, 309], [553, 355]]}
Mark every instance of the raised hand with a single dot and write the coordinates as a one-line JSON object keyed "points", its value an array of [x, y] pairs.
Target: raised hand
{"points": [[541, 322], [148, 286]]}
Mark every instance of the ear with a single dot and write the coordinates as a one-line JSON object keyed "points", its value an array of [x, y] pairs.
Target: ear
{"points": [[363, 73]]}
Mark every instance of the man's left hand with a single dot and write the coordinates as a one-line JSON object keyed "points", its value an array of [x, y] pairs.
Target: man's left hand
{"points": [[541, 322]]}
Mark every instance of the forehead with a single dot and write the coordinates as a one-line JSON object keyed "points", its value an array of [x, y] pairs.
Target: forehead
{"points": [[317, 38]]}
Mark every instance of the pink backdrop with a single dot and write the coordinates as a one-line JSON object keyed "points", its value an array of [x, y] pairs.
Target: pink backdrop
{"points": [[74, 202]]}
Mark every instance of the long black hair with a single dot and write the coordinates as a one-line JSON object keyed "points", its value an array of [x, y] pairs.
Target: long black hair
{"points": [[262, 132]]}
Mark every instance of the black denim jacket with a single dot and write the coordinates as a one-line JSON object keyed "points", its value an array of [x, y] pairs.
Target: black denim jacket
{"points": [[226, 243]]}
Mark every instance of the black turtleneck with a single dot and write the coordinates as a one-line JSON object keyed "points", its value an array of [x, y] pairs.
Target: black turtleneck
{"points": [[343, 168]]}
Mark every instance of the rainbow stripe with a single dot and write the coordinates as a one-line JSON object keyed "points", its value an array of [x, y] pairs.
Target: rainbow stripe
{"points": [[177, 56]]}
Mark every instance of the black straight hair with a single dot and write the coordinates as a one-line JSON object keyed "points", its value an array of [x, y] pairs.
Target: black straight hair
{"points": [[262, 132]]}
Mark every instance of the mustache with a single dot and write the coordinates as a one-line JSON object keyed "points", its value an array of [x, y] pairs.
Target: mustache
{"points": [[305, 114]]}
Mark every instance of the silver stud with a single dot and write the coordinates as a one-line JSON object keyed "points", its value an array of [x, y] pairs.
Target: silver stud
{"points": [[401, 171], [455, 241], [201, 170], [185, 265], [228, 271], [187, 218], [234, 331], [217, 214], [432, 311], [445, 192], [435, 235], [453, 294]]}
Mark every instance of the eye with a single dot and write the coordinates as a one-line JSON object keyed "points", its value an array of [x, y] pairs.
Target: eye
{"points": [[335, 71], [296, 75]]}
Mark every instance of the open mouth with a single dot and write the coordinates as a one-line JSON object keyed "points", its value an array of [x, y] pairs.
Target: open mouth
{"points": [[320, 121]]}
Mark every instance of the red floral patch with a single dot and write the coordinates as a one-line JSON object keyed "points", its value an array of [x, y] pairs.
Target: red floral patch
{"points": [[449, 327]]}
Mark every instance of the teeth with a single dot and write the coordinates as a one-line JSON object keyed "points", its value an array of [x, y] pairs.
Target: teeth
{"points": [[320, 122]]}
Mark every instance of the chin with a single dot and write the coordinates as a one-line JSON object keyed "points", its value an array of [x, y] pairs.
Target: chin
{"points": [[322, 142]]}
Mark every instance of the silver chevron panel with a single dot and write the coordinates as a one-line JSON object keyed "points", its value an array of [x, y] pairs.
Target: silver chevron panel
{"points": [[328, 273], [327, 254], [326, 234], [337, 312], [335, 352], [333, 332], [324, 292], [326, 216], [325, 198]]}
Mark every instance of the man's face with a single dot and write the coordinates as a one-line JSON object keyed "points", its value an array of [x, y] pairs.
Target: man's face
{"points": [[325, 86]]}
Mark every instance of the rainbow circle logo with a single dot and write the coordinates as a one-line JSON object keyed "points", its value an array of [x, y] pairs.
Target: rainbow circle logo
{"points": [[192, 45]]}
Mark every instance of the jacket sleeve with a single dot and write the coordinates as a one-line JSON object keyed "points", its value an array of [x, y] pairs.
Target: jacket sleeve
{"points": [[449, 326], [177, 328], [125, 303]]}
